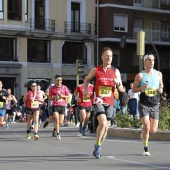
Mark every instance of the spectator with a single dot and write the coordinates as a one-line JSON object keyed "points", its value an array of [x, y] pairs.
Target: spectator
{"points": [[123, 97], [133, 102], [164, 100]]}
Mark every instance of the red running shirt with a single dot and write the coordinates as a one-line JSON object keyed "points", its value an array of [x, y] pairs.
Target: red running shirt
{"points": [[54, 90], [104, 86], [29, 104], [84, 101]]}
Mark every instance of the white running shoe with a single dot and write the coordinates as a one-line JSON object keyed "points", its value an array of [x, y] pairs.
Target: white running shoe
{"points": [[146, 152], [58, 137]]}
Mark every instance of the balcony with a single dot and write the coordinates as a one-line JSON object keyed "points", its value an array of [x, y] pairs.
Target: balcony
{"points": [[42, 24], [154, 4], [158, 36], [77, 27]]}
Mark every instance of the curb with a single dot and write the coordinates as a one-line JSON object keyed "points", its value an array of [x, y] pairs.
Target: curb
{"points": [[136, 134]]}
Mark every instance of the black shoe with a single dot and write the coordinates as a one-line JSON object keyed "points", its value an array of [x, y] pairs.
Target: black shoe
{"points": [[54, 134], [45, 124]]}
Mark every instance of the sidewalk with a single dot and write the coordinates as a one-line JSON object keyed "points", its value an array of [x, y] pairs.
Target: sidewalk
{"points": [[136, 133]]}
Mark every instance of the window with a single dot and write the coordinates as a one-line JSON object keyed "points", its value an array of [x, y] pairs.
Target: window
{"points": [[120, 23], [15, 10], [8, 49], [138, 25], [38, 51], [1, 9], [75, 17], [72, 51], [26, 10]]}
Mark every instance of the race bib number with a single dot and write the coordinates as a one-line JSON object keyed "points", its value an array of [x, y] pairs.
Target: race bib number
{"points": [[34, 104], [1, 104], [150, 92], [86, 99], [105, 91]]}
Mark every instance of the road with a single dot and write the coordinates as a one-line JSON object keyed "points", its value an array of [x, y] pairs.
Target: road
{"points": [[74, 151]]}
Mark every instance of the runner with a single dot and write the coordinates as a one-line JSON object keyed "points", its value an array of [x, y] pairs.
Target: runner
{"points": [[85, 105]]}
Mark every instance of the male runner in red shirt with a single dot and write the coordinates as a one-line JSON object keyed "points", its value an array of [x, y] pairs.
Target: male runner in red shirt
{"points": [[106, 80], [85, 105]]}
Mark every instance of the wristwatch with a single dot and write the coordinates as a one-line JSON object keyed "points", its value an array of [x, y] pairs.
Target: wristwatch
{"points": [[118, 84]]}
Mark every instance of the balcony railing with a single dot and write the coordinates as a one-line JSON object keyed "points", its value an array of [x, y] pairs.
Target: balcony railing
{"points": [[157, 4], [42, 24], [155, 35], [78, 27]]}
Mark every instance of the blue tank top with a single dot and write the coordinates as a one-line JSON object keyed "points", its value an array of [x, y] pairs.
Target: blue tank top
{"points": [[150, 96]]}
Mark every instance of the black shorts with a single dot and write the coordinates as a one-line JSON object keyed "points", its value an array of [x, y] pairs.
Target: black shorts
{"points": [[9, 112], [87, 109], [31, 111], [151, 111], [50, 111], [104, 109], [59, 109]]}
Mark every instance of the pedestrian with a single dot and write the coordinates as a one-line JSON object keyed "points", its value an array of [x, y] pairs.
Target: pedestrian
{"points": [[58, 93], [3, 102], [150, 85], [32, 99], [106, 79], [84, 104]]}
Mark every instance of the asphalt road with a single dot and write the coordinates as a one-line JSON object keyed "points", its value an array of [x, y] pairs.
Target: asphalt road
{"points": [[74, 151]]}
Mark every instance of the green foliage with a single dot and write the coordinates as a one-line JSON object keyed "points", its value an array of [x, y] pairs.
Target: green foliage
{"points": [[126, 121], [164, 118]]}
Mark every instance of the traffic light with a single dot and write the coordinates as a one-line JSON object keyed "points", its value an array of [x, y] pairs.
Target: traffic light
{"points": [[79, 67]]}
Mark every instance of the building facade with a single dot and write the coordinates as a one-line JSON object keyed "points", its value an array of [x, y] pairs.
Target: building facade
{"points": [[120, 18], [42, 38]]}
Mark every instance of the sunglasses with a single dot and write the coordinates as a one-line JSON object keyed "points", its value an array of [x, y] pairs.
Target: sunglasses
{"points": [[34, 86], [58, 80]]}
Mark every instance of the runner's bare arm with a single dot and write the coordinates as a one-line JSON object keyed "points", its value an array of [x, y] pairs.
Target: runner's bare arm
{"points": [[118, 81], [87, 80]]}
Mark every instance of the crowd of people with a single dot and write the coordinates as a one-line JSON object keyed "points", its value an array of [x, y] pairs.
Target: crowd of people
{"points": [[97, 99]]}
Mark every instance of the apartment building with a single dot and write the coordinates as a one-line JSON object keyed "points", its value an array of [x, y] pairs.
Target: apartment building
{"points": [[42, 38], [124, 18]]}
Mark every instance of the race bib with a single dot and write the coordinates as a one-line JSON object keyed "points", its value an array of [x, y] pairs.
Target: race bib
{"points": [[1, 104], [151, 91], [105, 91], [86, 99], [34, 104]]}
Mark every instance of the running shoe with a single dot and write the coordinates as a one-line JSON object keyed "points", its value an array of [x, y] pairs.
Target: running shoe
{"points": [[28, 136], [1, 125], [7, 127], [84, 133], [54, 134], [80, 129], [146, 152], [36, 137], [96, 152], [45, 124], [58, 137]]}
